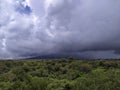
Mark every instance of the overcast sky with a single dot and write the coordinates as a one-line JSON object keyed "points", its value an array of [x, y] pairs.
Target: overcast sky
{"points": [[79, 28]]}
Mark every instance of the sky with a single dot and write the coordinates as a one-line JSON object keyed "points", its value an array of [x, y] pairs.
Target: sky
{"points": [[87, 29]]}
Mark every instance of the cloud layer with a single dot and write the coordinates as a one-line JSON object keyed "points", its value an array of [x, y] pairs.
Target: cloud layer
{"points": [[80, 28]]}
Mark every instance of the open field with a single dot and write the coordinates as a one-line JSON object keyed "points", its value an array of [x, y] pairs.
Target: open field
{"points": [[61, 74]]}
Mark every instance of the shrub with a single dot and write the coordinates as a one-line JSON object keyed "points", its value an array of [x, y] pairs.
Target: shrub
{"points": [[38, 84], [85, 67]]}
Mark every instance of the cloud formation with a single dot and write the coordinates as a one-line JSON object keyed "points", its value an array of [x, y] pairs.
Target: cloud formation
{"points": [[81, 28]]}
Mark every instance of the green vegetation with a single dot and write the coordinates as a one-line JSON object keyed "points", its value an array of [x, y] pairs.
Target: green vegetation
{"points": [[62, 74]]}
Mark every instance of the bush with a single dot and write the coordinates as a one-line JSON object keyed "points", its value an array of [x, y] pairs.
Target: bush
{"points": [[38, 84], [85, 67]]}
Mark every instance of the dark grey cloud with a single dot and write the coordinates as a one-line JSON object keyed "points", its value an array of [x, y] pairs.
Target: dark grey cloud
{"points": [[81, 28]]}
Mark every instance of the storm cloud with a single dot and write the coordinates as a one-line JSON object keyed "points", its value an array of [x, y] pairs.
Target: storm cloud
{"points": [[79, 28]]}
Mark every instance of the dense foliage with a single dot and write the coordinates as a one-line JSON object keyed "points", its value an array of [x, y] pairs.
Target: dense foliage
{"points": [[62, 74]]}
